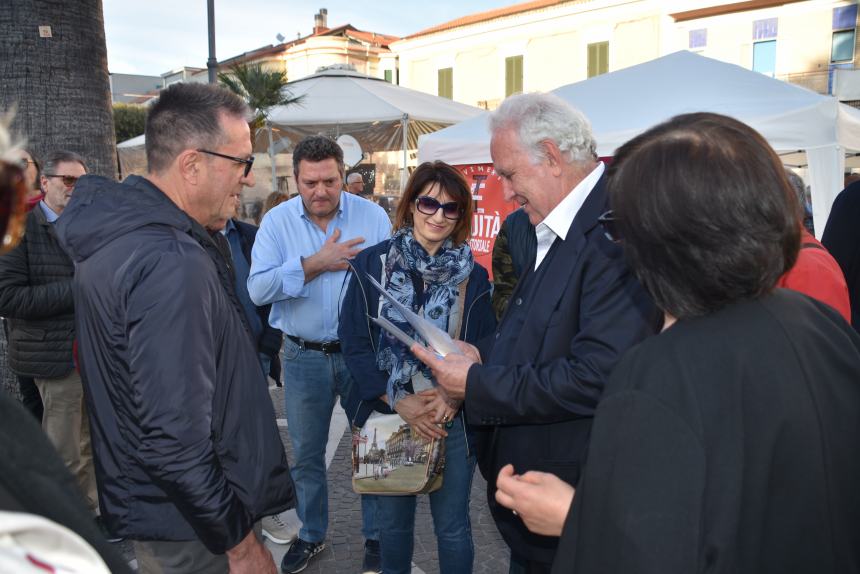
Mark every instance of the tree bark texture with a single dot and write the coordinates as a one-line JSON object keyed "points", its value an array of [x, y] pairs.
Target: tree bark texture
{"points": [[60, 84]]}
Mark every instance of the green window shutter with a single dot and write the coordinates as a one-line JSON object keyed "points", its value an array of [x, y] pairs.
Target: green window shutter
{"points": [[513, 75], [598, 59], [388, 76], [446, 83]]}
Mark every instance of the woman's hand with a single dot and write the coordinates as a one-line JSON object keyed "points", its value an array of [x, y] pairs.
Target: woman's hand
{"points": [[418, 412], [444, 407], [540, 499]]}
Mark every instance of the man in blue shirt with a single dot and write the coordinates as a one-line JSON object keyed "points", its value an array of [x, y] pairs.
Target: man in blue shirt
{"points": [[299, 265]]}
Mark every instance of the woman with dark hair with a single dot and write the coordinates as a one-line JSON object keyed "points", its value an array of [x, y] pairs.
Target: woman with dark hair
{"points": [[428, 266], [727, 443]]}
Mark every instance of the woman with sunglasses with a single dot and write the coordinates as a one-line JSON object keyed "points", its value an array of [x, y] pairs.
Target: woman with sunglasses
{"points": [[428, 266]]}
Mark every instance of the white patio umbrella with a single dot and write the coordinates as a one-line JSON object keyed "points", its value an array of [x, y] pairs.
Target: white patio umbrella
{"points": [[380, 115]]}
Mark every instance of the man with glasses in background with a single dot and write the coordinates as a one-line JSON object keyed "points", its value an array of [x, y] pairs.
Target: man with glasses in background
{"points": [[299, 265], [36, 298]]}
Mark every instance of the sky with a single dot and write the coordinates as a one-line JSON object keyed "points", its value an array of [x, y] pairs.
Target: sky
{"points": [[156, 36]]}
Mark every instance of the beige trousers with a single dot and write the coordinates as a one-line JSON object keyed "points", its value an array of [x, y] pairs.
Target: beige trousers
{"points": [[65, 422]]}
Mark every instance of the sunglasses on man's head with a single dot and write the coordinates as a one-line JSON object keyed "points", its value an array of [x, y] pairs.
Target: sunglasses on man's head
{"points": [[610, 227], [429, 206], [248, 161], [68, 180]]}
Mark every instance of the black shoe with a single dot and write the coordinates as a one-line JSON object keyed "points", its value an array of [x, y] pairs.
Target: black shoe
{"points": [[107, 533], [300, 553], [372, 558]]}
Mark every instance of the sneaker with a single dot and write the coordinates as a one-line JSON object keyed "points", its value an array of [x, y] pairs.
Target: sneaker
{"points": [[300, 553], [372, 563], [277, 531], [107, 533]]}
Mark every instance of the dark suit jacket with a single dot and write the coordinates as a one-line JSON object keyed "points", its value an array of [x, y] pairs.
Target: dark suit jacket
{"points": [[726, 444], [270, 339], [842, 239], [544, 369]]}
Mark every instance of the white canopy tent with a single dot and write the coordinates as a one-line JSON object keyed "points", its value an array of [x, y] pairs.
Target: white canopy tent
{"points": [[131, 156], [380, 115], [623, 104]]}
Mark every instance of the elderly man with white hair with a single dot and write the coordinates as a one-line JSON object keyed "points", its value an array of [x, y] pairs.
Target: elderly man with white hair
{"points": [[534, 384], [355, 183]]}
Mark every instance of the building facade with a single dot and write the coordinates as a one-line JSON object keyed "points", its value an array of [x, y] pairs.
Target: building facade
{"points": [[544, 44]]}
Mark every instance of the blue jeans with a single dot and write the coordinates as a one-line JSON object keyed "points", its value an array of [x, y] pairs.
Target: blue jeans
{"points": [[449, 506], [312, 383]]}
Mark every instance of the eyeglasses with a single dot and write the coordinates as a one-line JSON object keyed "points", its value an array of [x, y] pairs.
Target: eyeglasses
{"points": [[24, 162], [248, 161], [68, 180], [13, 208], [429, 206], [610, 227]]}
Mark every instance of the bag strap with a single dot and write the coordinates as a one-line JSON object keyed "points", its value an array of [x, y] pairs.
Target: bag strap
{"points": [[461, 304]]}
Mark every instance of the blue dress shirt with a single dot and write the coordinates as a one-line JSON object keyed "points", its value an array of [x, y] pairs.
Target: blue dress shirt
{"points": [[309, 311], [50, 214]]}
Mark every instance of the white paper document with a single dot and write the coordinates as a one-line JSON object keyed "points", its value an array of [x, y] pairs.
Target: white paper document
{"points": [[435, 337]]}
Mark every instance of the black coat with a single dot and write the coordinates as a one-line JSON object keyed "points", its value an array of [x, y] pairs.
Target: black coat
{"points": [[842, 239], [545, 368], [727, 444], [36, 296], [522, 241], [184, 435], [34, 479]]}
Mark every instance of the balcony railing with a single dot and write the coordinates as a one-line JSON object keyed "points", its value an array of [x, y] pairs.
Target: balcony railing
{"points": [[818, 81]]}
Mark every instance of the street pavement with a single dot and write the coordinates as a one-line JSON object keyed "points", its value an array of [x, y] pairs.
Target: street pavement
{"points": [[345, 545]]}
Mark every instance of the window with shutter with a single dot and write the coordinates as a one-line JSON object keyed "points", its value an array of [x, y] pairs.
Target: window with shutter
{"points": [[446, 83], [598, 58], [513, 75]]}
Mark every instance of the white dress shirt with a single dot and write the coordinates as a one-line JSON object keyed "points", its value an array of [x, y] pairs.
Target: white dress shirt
{"points": [[558, 222]]}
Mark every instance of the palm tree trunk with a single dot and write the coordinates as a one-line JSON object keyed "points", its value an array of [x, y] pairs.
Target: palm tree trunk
{"points": [[59, 83]]}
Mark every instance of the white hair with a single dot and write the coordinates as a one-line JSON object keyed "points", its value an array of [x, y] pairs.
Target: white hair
{"points": [[537, 117], [354, 176]]}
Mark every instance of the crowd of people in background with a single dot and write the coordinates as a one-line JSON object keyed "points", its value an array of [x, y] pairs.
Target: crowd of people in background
{"points": [[661, 377]]}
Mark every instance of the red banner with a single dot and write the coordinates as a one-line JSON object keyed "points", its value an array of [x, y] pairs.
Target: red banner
{"points": [[490, 210]]}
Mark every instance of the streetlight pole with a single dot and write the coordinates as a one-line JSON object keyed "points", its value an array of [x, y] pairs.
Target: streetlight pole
{"points": [[212, 63]]}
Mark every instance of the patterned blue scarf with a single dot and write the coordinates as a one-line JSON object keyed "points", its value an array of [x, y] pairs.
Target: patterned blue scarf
{"points": [[440, 274]]}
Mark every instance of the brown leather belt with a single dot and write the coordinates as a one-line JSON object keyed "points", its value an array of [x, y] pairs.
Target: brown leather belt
{"points": [[329, 347]]}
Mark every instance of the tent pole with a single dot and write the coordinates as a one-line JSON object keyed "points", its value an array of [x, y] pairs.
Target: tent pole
{"points": [[272, 157], [404, 126]]}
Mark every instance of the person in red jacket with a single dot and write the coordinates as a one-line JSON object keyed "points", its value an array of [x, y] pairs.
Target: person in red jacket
{"points": [[816, 273]]}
